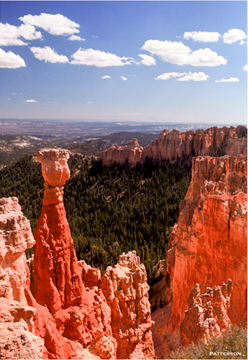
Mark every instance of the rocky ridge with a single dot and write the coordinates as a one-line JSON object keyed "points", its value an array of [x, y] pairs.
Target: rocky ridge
{"points": [[207, 245], [171, 145]]}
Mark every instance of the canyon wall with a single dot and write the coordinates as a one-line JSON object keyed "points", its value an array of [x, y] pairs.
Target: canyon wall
{"points": [[208, 244], [171, 145]]}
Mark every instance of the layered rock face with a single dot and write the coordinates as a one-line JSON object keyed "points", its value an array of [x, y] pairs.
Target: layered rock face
{"points": [[17, 339], [206, 316], [173, 144], [126, 290], [81, 315], [208, 244]]}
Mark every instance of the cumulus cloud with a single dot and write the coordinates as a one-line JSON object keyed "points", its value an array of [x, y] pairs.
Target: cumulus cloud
{"points": [[147, 60], [233, 36], [54, 24], [200, 76], [245, 68], [106, 77], [123, 78], [202, 36], [10, 60], [76, 38], [232, 79], [98, 58], [31, 101], [180, 54], [48, 55], [13, 35]]}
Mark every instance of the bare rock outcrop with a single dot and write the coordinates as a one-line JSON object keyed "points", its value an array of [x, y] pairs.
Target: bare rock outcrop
{"points": [[208, 244], [126, 290], [17, 338], [81, 315], [131, 153], [206, 316], [171, 145]]}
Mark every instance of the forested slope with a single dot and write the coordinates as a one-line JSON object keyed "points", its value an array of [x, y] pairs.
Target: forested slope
{"points": [[110, 210]]}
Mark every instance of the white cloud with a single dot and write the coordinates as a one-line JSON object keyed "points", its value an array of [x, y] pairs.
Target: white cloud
{"points": [[233, 36], [232, 79], [245, 68], [48, 55], [123, 78], [13, 93], [31, 101], [106, 77], [241, 42], [54, 24], [10, 60], [29, 32], [13, 35], [98, 58], [202, 36], [89, 102], [76, 37], [200, 76], [180, 54], [169, 75], [147, 60]]}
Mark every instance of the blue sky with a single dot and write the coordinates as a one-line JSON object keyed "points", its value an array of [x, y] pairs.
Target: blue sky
{"points": [[111, 60]]}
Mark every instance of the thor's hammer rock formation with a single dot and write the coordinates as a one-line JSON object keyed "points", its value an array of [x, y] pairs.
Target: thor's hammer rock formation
{"points": [[81, 315]]}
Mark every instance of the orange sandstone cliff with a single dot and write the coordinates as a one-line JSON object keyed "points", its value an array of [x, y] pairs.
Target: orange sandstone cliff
{"points": [[207, 246], [171, 145]]}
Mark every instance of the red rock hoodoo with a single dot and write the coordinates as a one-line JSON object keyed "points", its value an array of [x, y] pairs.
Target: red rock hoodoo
{"points": [[208, 244], [173, 144], [17, 338], [206, 316], [81, 315]]}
